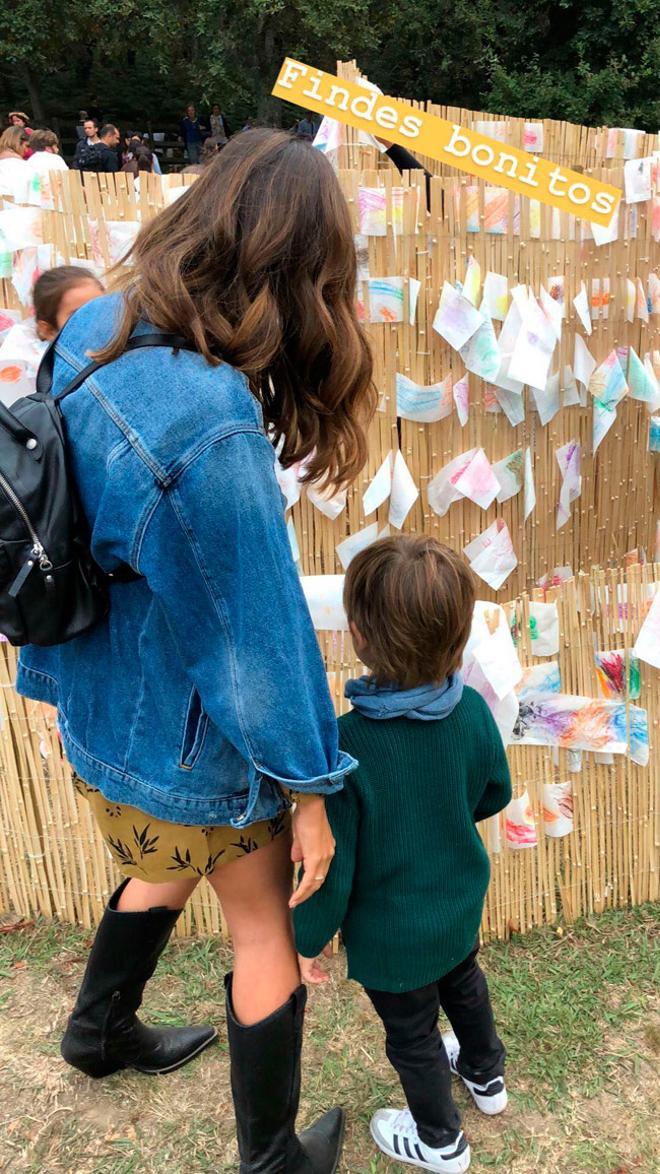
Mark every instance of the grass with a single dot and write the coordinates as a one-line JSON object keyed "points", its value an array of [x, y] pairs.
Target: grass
{"points": [[578, 1013]]}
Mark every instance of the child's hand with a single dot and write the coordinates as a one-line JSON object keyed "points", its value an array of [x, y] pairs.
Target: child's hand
{"points": [[311, 970]]}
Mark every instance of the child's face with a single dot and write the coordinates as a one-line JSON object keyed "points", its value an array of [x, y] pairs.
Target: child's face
{"points": [[72, 299]]}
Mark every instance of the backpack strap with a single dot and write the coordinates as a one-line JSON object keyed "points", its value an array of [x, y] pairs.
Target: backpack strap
{"points": [[175, 341]]}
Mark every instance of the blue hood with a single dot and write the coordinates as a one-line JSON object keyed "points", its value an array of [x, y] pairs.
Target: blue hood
{"points": [[425, 703]]}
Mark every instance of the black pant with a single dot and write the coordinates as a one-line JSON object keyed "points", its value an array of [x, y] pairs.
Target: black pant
{"points": [[415, 1049]]}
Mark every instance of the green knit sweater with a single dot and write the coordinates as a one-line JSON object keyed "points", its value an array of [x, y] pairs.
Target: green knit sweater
{"points": [[410, 874]]}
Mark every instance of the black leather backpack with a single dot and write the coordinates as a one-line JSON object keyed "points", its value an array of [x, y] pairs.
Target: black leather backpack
{"points": [[51, 590]]}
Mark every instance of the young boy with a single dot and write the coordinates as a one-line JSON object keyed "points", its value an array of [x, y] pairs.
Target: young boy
{"points": [[409, 878]]}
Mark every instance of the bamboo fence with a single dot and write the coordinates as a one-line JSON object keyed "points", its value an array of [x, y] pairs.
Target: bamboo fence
{"points": [[52, 860]]}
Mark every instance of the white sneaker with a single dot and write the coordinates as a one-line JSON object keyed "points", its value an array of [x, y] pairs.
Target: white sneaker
{"points": [[395, 1133], [491, 1098]]}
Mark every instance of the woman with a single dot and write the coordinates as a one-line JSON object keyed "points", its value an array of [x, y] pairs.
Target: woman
{"points": [[218, 124], [20, 119], [137, 158], [13, 171], [202, 700]]}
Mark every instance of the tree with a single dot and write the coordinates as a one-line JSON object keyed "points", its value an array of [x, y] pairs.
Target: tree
{"points": [[596, 62]]}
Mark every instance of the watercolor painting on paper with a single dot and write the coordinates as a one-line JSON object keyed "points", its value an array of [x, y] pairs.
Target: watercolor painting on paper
{"points": [[324, 595], [481, 353], [557, 809], [573, 723], [519, 823], [639, 751], [491, 554], [496, 210], [456, 319], [613, 681], [540, 679], [424, 405], [468, 475], [385, 299], [372, 211]]}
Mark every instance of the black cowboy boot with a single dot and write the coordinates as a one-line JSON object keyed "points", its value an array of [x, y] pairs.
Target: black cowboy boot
{"points": [[104, 1033], [265, 1081]]}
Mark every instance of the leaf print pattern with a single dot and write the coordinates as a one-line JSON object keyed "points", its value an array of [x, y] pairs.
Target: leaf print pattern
{"points": [[125, 857], [246, 845], [152, 848], [184, 863], [144, 845], [277, 825]]}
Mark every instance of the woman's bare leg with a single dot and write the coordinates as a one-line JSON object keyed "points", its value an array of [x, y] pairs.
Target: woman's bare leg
{"points": [[139, 895], [254, 893]]}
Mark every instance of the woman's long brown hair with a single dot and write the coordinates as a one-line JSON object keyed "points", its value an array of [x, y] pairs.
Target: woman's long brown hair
{"points": [[256, 265]]}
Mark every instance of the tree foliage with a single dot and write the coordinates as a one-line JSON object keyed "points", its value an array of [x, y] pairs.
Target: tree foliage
{"points": [[596, 62]]}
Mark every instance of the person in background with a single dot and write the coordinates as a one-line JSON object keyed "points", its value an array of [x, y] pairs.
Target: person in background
{"points": [[45, 153], [133, 146], [155, 161], [58, 293], [210, 149], [192, 134], [306, 128], [80, 125], [89, 138], [409, 878], [13, 167], [102, 155], [131, 138], [21, 120], [218, 124]]}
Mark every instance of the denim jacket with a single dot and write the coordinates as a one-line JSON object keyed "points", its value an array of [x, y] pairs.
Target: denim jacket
{"points": [[204, 689]]}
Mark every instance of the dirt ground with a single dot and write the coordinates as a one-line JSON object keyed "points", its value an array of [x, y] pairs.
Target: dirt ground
{"points": [[577, 1010]]}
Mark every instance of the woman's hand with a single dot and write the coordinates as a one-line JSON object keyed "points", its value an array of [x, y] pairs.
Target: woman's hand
{"points": [[313, 845], [311, 970]]}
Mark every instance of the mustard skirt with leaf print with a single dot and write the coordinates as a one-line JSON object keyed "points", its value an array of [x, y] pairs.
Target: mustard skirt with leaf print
{"points": [[157, 851]]}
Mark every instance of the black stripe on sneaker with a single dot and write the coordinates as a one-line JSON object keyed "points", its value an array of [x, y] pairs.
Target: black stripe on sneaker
{"points": [[461, 1145], [395, 1142], [408, 1150], [492, 1089]]}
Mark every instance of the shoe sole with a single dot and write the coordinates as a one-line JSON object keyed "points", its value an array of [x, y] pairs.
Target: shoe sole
{"points": [[179, 1064], [462, 1160]]}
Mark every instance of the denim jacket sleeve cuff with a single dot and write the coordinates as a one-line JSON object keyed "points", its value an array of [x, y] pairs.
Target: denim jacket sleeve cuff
{"points": [[322, 784]]}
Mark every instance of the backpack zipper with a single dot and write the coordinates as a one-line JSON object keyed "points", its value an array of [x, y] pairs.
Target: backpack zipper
{"points": [[37, 545]]}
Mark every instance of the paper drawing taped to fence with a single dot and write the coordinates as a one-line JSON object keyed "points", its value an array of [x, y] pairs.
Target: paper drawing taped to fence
{"points": [[478, 154], [372, 209], [423, 404], [557, 809], [573, 723], [614, 679], [456, 319], [519, 823]]}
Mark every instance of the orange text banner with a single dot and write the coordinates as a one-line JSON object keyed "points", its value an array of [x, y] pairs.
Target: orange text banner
{"points": [[480, 155]]}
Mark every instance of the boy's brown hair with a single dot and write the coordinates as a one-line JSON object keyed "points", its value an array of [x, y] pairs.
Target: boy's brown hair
{"points": [[411, 599], [41, 139]]}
